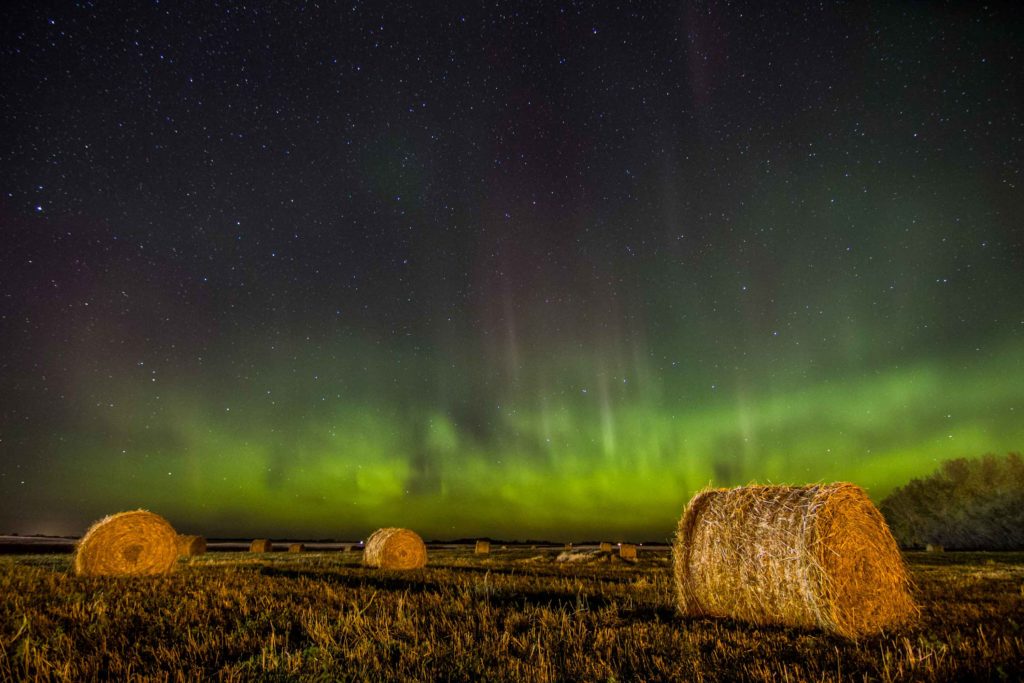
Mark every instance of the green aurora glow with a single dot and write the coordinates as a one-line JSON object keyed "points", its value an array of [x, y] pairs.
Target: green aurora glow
{"points": [[542, 275], [605, 458]]}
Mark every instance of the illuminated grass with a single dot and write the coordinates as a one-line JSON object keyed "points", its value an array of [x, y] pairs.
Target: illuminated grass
{"points": [[514, 615]]}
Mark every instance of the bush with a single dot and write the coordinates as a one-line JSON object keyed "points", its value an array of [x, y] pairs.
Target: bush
{"points": [[966, 504]]}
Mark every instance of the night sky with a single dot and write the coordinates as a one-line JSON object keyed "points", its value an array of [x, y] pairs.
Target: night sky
{"points": [[524, 270]]}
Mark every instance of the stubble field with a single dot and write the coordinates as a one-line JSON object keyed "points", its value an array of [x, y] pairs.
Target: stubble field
{"points": [[515, 615]]}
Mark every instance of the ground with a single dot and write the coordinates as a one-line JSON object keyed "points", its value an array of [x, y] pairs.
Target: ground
{"points": [[516, 614]]}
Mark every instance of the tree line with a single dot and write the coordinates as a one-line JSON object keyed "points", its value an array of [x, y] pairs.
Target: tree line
{"points": [[966, 504]]}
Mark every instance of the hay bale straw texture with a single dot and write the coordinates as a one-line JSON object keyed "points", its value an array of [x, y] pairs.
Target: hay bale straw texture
{"points": [[605, 547], [393, 548], [190, 546], [297, 548], [136, 543], [261, 545], [483, 547], [627, 551], [818, 556]]}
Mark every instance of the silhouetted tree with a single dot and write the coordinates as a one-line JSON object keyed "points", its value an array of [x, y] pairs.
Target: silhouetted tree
{"points": [[967, 504]]}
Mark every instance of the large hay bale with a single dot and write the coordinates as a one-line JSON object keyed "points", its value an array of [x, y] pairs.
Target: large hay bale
{"points": [[482, 547], [136, 543], [393, 548], [297, 548], [605, 547], [190, 546], [807, 556], [261, 545], [627, 551]]}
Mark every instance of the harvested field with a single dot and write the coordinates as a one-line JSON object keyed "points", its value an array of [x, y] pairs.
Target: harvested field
{"points": [[240, 617]]}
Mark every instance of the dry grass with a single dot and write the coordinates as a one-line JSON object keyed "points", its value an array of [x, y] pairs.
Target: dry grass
{"points": [[816, 556], [394, 548], [324, 616], [261, 545], [191, 546], [136, 543]]}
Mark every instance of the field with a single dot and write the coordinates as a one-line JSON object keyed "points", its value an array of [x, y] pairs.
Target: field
{"points": [[515, 614]]}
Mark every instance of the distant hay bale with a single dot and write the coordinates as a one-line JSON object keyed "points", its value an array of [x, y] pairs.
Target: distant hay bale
{"points": [[569, 556], [606, 546], [934, 548], [806, 556], [136, 543], [190, 546], [482, 547], [627, 551], [567, 547], [297, 548], [393, 548], [261, 545]]}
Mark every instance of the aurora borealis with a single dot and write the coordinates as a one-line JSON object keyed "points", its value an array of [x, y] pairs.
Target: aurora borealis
{"points": [[539, 270]]}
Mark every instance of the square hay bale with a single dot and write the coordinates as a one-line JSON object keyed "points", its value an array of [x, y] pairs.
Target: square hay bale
{"points": [[297, 548], [606, 546], [627, 551], [482, 547]]}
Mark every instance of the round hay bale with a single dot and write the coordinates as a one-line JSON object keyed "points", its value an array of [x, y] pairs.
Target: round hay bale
{"points": [[818, 556], [190, 546], [261, 545], [297, 548], [627, 551], [136, 543], [482, 547], [393, 548]]}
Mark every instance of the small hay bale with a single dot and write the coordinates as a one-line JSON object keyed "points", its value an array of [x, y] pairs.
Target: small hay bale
{"points": [[261, 545], [627, 551], [136, 543], [297, 548], [569, 556], [567, 547], [190, 546], [934, 548], [606, 546], [394, 548], [482, 547], [818, 556]]}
